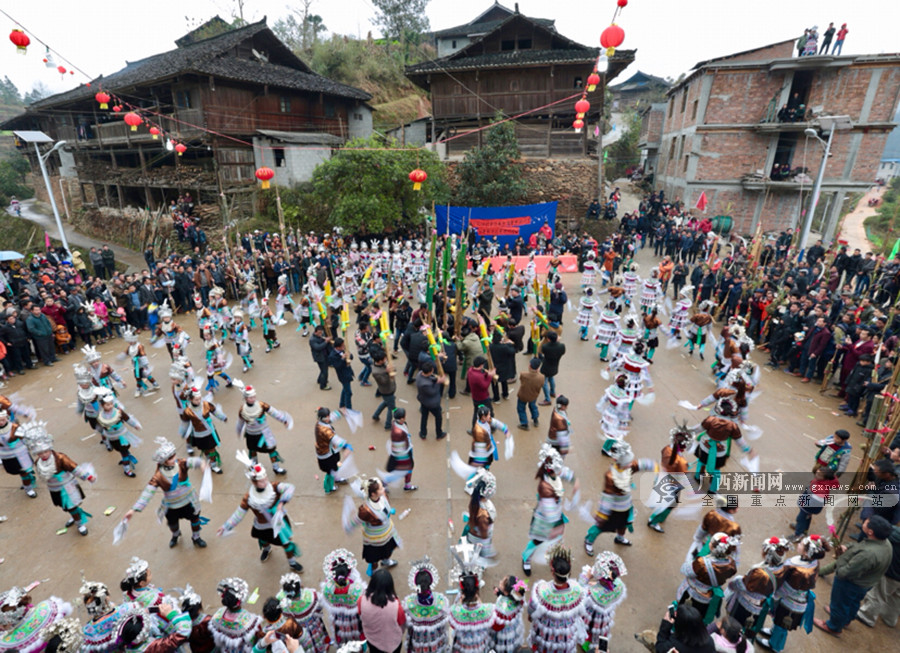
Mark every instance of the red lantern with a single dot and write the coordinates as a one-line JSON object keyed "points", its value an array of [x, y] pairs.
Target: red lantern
{"points": [[61, 70], [611, 38], [622, 3], [154, 132], [264, 174], [117, 108], [103, 99], [592, 81], [582, 107], [133, 119], [20, 40], [417, 176], [578, 125], [181, 148]]}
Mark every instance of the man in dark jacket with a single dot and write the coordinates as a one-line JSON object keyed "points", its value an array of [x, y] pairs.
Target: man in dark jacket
{"points": [[515, 306], [816, 342], [552, 351], [339, 358], [14, 335], [503, 353], [386, 386], [429, 389], [109, 261], [883, 600], [320, 348], [557, 305], [418, 343], [41, 332]]}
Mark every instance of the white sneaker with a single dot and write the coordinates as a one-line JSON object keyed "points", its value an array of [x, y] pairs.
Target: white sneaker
{"points": [[138, 393]]}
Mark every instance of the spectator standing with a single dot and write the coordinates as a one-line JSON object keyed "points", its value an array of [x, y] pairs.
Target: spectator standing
{"points": [[531, 383], [839, 44], [479, 381], [14, 334], [382, 615], [883, 600], [826, 38], [320, 348], [109, 261], [429, 389], [684, 633], [552, 350], [858, 569], [386, 387], [41, 331], [97, 262]]}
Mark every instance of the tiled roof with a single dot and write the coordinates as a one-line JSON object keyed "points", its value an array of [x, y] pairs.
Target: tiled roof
{"points": [[484, 28], [507, 59]]}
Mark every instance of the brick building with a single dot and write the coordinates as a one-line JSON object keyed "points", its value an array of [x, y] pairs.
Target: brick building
{"points": [[652, 119], [734, 128]]}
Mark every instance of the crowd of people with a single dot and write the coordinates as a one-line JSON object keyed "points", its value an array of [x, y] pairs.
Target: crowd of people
{"points": [[369, 301]]}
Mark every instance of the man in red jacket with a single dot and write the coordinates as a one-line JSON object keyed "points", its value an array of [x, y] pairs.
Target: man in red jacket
{"points": [[818, 341], [479, 380]]}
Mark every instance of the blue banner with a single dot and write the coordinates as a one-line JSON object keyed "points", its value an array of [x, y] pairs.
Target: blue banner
{"points": [[506, 223]]}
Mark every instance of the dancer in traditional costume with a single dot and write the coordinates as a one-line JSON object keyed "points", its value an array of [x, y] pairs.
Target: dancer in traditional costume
{"points": [[216, 360], [630, 280], [240, 334], [200, 639], [202, 434], [507, 621], [182, 379], [795, 602], [548, 523], [672, 475], [753, 593], [24, 624], [558, 608], [140, 364], [401, 449], [615, 413], [62, 636], [615, 511], [221, 314], [180, 500], [728, 402], [589, 275], [203, 314], [271, 523], [625, 339], [605, 592], [721, 519], [114, 423], [427, 612], [705, 577], [139, 589], [252, 424], [587, 305], [174, 336], [270, 335], [651, 333], [379, 535], [329, 446], [484, 447], [104, 375], [99, 631], [87, 402], [470, 619], [233, 628], [482, 514], [632, 363], [700, 324], [14, 454], [341, 591], [59, 472], [651, 293], [276, 624], [305, 605], [560, 434], [136, 629], [282, 298], [714, 443], [680, 313]]}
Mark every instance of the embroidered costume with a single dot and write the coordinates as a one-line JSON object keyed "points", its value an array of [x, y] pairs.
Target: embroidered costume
{"points": [[427, 611], [234, 629], [305, 606], [605, 592], [548, 523], [558, 609], [341, 591], [252, 424], [14, 454], [140, 364]]}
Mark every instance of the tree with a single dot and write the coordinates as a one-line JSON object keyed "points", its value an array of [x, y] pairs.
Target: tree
{"points": [[488, 175], [300, 30], [12, 179], [38, 92], [9, 94], [399, 19], [625, 152], [366, 188]]}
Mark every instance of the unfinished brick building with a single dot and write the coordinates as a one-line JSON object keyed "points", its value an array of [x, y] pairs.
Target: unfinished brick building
{"points": [[734, 128]]}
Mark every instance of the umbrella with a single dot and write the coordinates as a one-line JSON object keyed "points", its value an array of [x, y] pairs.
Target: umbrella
{"points": [[9, 255]]}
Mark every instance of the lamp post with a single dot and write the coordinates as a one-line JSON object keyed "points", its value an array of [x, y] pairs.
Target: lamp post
{"points": [[602, 66], [41, 159], [831, 123]]}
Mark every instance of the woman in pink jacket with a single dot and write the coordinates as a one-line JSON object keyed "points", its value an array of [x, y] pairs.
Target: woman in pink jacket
{"points": [[381, 612]]}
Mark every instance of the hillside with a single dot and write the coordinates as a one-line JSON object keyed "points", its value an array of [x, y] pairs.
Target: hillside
{"points": [[8, 111]]}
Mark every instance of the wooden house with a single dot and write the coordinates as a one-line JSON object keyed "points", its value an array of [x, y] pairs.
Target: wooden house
{"points": [[519, 66], [238, 99]]}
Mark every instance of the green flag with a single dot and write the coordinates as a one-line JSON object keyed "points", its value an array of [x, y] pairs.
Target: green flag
{"points": [[894, 251]]}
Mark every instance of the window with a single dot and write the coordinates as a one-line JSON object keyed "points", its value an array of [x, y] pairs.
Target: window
{"points": [[284, 104], [524, 44], [671, 107], [329, 110], [357, 116], [683, 100], [453, 44], [279, 157], [183, 99], [579, 83], [694, 110], [508, 45], [686, 157], [514, 85]]}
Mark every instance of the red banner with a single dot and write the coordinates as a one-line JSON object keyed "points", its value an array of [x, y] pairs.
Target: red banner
{"points": [[501, 227]]}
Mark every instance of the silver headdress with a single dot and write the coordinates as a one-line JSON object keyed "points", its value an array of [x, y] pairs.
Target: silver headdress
{"points": [[91, 355], [686, 291], [775, 548], [490, 483], [189, 598], [726, 407], [82, 373], [95, 596], [685, 432], [607, 566], [423, 564], [69, 632], [722, 545], [36, 437], [136, 569], [216, 291], [129, 334], [235, 585], [335, 558], [291, 585], [255, 471], [177, 370], [815, 546], [467, 557], [105, 395], [164, 450], [164, 310], [550, 458], [622, 453], [130, 611], [12, 610]]}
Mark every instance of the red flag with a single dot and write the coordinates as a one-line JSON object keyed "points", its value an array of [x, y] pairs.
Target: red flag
{"points": [[47, 240], [702, 202]]}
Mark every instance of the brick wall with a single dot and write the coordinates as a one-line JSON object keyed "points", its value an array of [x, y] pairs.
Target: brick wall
{"points": [[729, 154], [652, 125], [774, 51], [741, 96]]}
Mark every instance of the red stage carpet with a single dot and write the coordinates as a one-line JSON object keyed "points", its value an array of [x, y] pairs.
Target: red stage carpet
{"points": [[569, 263]]}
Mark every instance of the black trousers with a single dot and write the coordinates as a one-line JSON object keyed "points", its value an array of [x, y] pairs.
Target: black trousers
{"points": [[45, 349], [323, 374], [438, 420]]}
